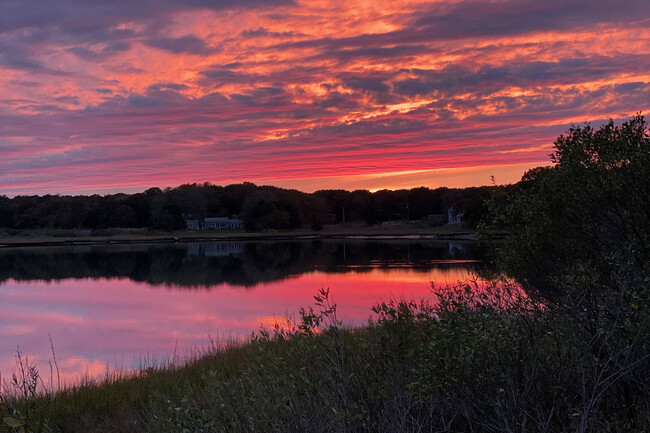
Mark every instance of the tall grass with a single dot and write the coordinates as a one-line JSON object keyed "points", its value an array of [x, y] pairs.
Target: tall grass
{"points": [[465, 361]]}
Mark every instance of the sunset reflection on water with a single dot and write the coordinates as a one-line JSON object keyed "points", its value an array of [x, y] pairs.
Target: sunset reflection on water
{"points": [[98, 325], [109, 308]]}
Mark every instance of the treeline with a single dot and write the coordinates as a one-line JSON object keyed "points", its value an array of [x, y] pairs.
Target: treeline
{"points": [[260, 207]]}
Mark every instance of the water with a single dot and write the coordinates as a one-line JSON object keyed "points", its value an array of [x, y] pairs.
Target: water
{"points": [[122, 307]]}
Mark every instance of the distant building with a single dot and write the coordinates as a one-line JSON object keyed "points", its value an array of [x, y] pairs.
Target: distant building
{"points": [[454, 217], [220, 223], [192, 224]]}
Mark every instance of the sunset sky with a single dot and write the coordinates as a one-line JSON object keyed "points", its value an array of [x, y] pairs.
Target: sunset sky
{"points": [[122, 95]]}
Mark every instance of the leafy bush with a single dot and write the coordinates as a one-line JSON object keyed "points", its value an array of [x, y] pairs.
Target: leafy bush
{"points": [[584, 217], [461, 362], [579, 240]]}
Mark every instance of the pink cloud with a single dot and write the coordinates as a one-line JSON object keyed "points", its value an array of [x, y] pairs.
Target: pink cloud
{"points": [[125, 97]]}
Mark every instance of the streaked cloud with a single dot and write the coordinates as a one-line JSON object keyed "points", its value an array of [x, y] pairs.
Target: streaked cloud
{"points": [[105, 96]]}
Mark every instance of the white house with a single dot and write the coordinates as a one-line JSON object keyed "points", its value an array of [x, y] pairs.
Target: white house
{"points": [[454, 217], [192, 224]]}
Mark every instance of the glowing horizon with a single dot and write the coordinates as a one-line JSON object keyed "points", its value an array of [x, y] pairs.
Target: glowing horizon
{"points": [[101, 97]]}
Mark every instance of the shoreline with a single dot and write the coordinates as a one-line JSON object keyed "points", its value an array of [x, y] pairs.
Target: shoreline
{"points": [[442, 233]]}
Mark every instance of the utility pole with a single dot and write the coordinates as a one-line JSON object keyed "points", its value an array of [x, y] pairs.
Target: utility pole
{"points": [[343, 214]]}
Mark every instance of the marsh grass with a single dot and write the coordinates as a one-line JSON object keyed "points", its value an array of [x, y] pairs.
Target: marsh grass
{"points": [[115, 401], [465, 361]]}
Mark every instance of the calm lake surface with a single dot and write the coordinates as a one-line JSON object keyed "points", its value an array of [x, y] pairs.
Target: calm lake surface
{"points": [[122, 307]]}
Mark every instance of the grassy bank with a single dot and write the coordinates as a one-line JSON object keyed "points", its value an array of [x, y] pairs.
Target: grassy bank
{"points": [[125, 236], [470, 360]]}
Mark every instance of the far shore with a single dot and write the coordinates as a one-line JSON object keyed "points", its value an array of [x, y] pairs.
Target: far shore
{"points": [[399, 230]]}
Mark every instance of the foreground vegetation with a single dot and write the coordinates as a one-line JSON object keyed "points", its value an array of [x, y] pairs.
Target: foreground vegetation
{"points": [[570, 353], [472, 359]]}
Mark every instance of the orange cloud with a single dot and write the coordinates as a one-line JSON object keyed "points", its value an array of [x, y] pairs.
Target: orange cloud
{"points": [[303, 90]]}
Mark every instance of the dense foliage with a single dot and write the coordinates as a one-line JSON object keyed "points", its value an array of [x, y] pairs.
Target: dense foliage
{"points": [[579, 241], [474, 358], [260, 207], [588, 215]]}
